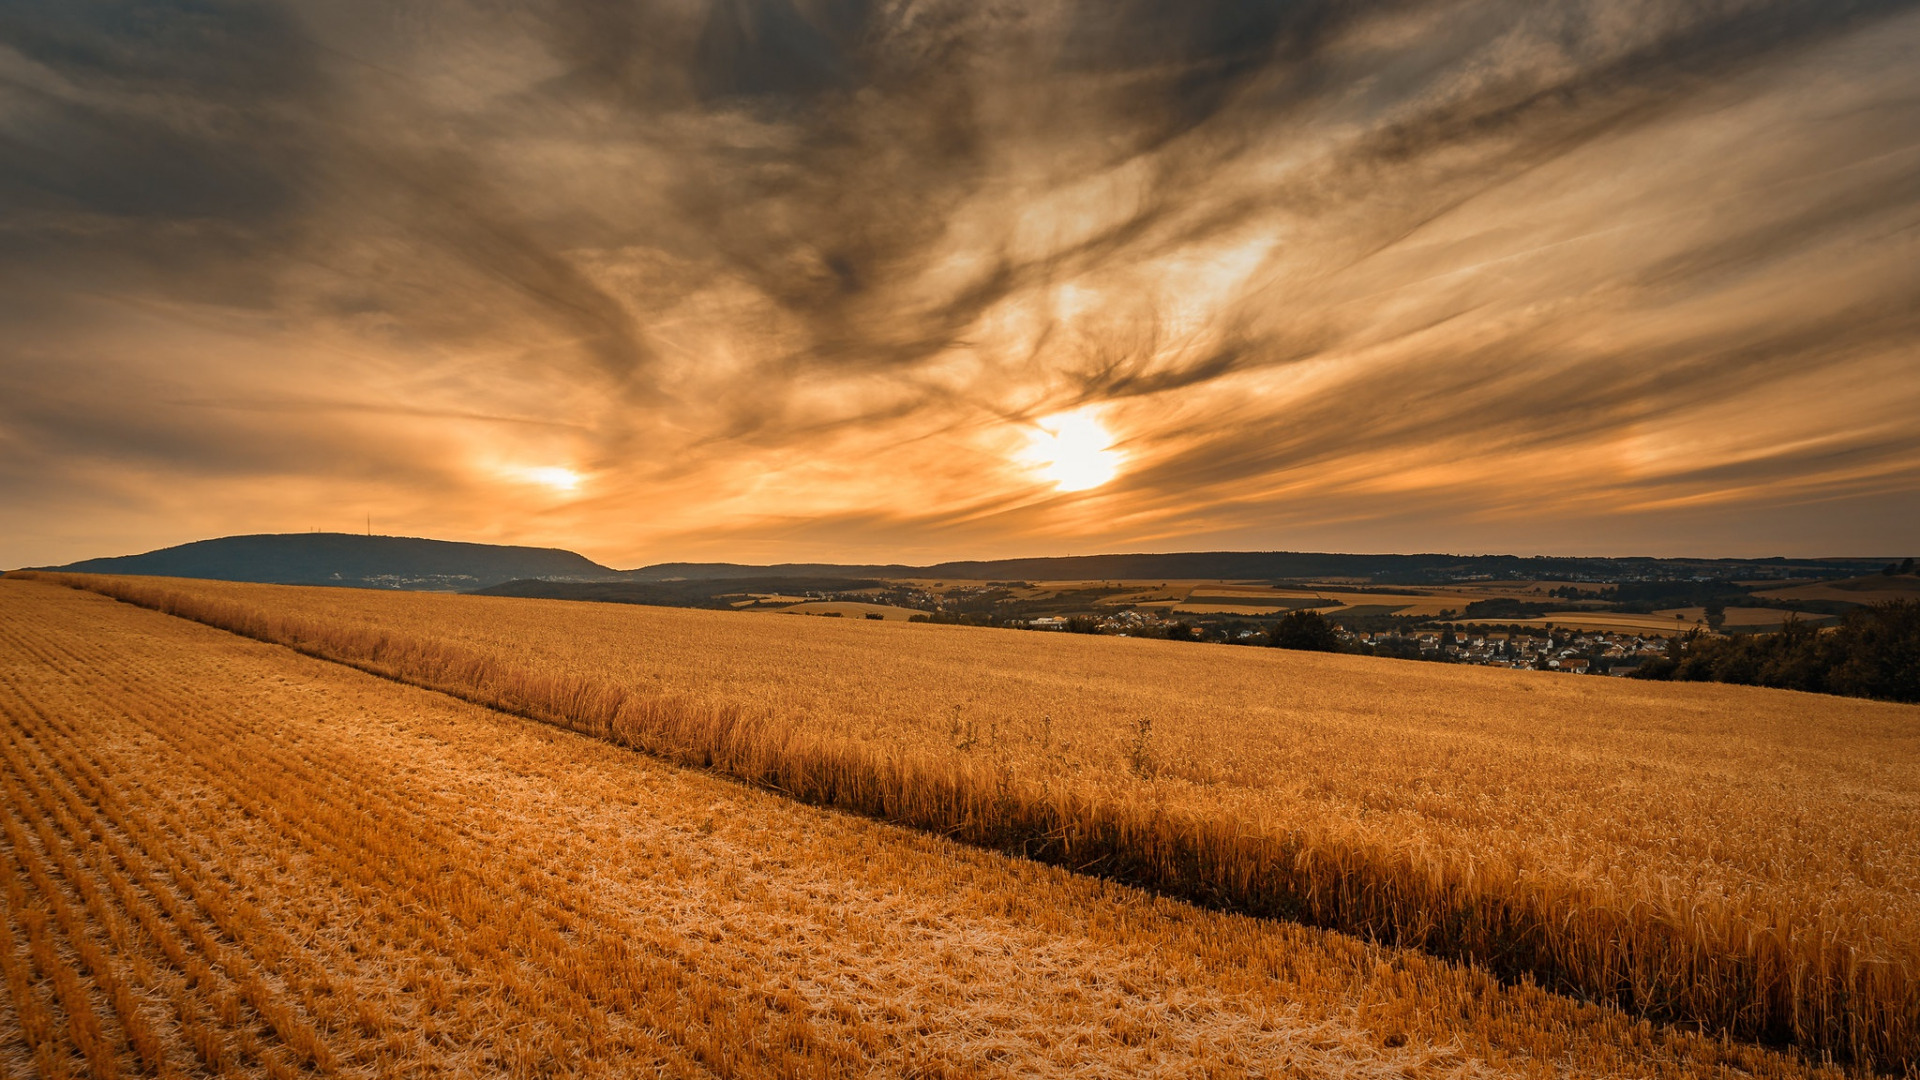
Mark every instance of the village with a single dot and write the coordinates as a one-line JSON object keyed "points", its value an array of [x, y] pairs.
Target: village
{"points": [[1570, 652]]}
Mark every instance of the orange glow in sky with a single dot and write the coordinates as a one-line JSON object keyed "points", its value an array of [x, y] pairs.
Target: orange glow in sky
{"points": [[769, 281]]}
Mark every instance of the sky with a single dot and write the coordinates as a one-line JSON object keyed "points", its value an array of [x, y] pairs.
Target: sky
{"points": [[913, 280]]}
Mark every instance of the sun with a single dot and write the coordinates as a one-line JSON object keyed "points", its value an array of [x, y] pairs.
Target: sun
{"points": [[1072, 449], [551, 476]]}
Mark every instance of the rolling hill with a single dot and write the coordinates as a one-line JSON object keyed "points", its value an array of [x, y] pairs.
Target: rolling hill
{"points": [[1262, 565], [397, 562], [378, 562]]}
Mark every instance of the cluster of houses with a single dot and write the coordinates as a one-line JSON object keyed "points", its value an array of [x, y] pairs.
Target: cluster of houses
{"points": [[1565, 651], [1572, 652], [1119, 622], [1559, 650]]}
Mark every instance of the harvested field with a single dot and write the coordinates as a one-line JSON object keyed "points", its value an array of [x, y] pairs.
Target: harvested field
{"points": [[223, 858], [1733, 857], [848, 609], [1361, 610], [1230, 605], [1873, 589], [1615, 622], [1414, 601], [1269, 600], [1408, 603], [1761, 620], [1668, 622]]}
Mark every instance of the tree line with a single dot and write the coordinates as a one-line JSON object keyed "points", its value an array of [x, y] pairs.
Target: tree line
{"points": [[1873, 652]]}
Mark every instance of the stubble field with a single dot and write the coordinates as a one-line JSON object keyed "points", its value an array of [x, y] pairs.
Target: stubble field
{"points": [[1728, 857], [224, 858]]}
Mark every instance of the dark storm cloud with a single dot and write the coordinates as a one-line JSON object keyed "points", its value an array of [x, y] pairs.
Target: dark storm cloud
{"points": [[1225, 78], [206, 142], [156, 112], [688, 238]]}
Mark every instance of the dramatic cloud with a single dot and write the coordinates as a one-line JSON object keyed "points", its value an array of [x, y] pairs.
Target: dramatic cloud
{"points": [[802, 279]]}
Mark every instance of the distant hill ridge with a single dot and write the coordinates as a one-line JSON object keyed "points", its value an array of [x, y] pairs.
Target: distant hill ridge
{"points": [[400, 562], [1260, 565], [394, 562]]}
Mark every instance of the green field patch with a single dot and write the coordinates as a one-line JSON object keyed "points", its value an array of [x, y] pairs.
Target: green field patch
{"points": [[1275, 603], [1364, 610]]}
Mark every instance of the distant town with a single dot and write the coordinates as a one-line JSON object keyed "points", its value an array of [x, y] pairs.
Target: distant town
{"points": [[1567, 651], [1842, 625], [1611, 628], [1573, 653]]}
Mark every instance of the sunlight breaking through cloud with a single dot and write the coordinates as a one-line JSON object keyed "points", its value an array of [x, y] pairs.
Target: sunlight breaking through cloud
{"points": [[1073, 451], [1585, 276], [552, 476]]}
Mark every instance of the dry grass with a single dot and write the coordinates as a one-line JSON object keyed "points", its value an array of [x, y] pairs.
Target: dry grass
{"points": [[1736, 858], [223, 859]]}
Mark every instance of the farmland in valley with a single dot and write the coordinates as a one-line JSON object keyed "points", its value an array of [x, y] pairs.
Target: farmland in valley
{"points": [[1342, 601], [1336, 603], [225, 858], [1677, 620], [846, 609], [1727, 856], [1238, 608], [1874, 588], [1660, 622]]}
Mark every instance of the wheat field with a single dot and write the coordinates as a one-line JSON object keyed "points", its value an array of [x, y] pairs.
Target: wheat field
{"points": [[1735, 859], [221, 858]]}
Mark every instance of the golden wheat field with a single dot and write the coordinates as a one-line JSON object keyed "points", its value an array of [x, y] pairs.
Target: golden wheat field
{"points": [[222, 858], [1733, 858]]}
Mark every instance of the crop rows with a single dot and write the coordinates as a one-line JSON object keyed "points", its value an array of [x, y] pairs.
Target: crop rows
{"points": [[1823, 959], [224, 859]]}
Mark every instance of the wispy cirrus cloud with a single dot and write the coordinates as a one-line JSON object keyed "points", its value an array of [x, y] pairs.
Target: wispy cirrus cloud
{"points": [[794, 278]]}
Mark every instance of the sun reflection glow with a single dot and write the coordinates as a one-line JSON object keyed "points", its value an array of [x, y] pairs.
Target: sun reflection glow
{"points": [[1072, 449]]}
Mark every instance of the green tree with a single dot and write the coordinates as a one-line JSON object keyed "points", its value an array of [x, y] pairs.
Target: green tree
{"points": [[1307, 630], [1873, 652]]}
